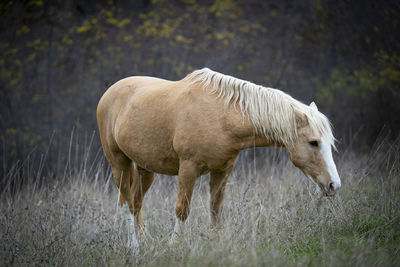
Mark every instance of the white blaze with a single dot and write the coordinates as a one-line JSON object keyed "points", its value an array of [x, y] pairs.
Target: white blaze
{"points": [[326, 152]]}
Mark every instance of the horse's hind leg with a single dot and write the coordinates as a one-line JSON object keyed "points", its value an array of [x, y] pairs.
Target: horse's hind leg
{"points": [[141, 182], [122, 168]]}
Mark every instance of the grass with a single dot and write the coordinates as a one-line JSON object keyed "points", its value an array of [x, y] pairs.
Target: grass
{"points": [[272, 216]]}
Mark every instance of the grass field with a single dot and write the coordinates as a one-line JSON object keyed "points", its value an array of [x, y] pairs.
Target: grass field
{"points": [[272, 216]]}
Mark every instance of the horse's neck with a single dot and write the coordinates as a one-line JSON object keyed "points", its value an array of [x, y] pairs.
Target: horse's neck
{"points": [[253, 140], [244, 130], [240, 125]]}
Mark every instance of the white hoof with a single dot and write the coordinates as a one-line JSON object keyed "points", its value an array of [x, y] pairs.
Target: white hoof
{"points": [[174, 239], [178, 229]]}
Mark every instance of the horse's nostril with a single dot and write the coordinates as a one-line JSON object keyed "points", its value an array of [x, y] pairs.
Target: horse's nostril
{"points": [[331, 187]]}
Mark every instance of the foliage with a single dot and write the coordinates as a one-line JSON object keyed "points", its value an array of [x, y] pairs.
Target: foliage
{"points": [[58, 57]]}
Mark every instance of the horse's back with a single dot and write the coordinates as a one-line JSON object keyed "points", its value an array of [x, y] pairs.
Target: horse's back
{"points": [[126, 92]]}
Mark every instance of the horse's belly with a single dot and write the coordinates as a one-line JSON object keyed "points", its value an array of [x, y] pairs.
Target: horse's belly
{"points": [[158, 163], [151, 150]]}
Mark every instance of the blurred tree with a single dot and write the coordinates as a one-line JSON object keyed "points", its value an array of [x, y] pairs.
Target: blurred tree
{"points": [[58, 57]]}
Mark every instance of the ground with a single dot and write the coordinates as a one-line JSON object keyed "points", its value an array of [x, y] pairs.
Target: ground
{"points": [[272, 216]]}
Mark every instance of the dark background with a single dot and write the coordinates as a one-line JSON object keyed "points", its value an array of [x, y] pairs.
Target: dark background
{"points": [[58, 57]]}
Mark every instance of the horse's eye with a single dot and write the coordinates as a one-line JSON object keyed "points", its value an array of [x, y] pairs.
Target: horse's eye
{"points": [[313, 143]]}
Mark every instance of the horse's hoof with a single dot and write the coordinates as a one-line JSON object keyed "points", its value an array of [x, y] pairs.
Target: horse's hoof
{"points": [[174, 239], [143, 234], [134, 248]]}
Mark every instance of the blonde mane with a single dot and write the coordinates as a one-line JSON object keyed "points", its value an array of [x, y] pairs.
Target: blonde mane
{"points": [[270, 110]]}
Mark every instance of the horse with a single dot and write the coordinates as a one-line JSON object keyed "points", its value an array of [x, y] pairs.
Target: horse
{"points": [[199, 125]]}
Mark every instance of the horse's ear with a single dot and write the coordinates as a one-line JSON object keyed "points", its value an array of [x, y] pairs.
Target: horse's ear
{"points": [[301, 118], [313, 106]]}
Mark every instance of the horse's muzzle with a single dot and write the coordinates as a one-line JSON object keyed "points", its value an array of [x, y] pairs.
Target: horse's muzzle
{"points": [[330, 190]]}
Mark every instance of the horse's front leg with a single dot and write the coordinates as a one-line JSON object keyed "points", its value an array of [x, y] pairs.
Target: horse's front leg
{"points": [[218, 181], [188, 173]]}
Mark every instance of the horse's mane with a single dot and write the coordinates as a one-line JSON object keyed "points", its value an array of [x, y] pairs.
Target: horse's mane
{"points": [[270, 110]]}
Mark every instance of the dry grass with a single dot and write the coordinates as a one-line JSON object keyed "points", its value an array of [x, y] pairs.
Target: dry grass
{"points": [[272, 216]]}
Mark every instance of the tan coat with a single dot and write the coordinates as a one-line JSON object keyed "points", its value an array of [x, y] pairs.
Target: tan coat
{"points": [[150, 125]]}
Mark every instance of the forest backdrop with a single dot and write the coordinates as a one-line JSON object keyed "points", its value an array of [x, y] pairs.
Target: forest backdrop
{"points": [[58, 57]]}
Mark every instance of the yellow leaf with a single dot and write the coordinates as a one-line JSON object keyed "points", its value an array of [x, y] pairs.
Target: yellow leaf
{"points": [[24, 29], [85, 28], [180, 38], [35, 3], [123, 23], [128, 37]]}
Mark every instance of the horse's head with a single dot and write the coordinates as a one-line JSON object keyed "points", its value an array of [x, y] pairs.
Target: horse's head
{"points": [[311, 152]]}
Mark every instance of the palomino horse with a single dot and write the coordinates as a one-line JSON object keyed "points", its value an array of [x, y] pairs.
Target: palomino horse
{"points": [[199, 125]]}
